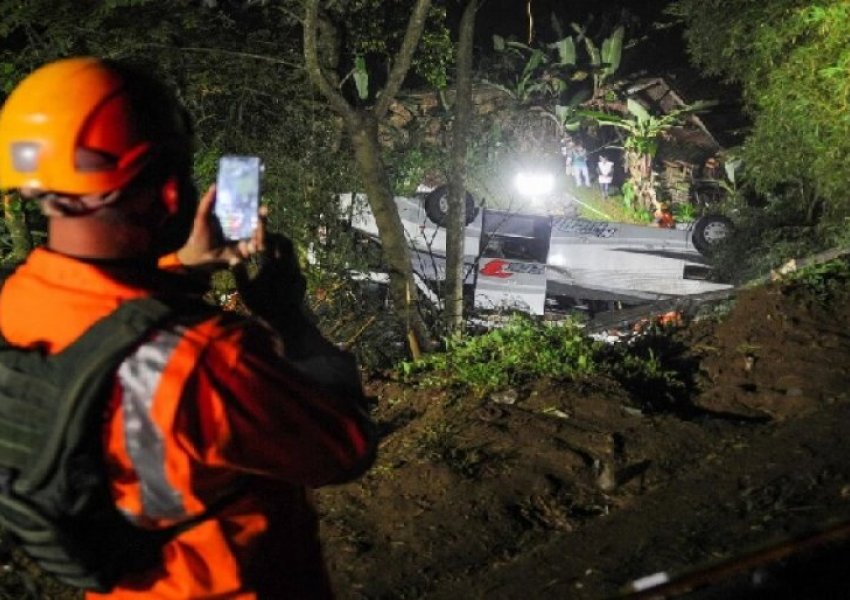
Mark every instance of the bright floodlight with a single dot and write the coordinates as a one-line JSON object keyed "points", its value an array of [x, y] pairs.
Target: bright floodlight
{"points": [[534, 184]]}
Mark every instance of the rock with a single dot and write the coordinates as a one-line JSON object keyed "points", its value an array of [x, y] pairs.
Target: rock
{"points": [[607, 477], [505, 397], [789, 382], [632, 411]]}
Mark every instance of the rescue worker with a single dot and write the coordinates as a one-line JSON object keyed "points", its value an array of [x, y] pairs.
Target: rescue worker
{"points": [[196, 409]]}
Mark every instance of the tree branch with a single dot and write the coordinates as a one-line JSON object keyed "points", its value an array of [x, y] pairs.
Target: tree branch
{"points": [[404, 57], [271, 59], [314, 69]]}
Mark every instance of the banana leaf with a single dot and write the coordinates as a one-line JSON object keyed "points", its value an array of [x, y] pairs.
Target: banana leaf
{"points": [[612, 50], [566, 51], [637, 109]]}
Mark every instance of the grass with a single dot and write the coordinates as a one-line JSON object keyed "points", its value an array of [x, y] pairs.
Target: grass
{"points": [[440, 444], [824, 281], [525, 350], [519, 352], [592, 205]]}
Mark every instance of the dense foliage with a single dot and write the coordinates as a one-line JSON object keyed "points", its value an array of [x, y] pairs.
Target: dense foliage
{"points": [[519, 352], [525, 350], [237, 68], [792, 61]]}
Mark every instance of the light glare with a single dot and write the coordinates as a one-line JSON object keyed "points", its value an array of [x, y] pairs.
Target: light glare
{"points": [[534, 184]]}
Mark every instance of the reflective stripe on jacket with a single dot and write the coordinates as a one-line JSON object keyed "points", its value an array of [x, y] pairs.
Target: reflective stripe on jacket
{"points": [[195, 409]]}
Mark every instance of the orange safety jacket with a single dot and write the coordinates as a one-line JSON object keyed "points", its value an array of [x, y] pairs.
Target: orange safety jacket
{"points": [[194, 410]]}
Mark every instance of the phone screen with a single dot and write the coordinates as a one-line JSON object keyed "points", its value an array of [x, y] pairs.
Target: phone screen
{"points": [[238, 196]]}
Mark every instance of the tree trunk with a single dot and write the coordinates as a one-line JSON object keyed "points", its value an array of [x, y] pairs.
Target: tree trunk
{"points": [[363, 131], [362, 128], [16, 224], [457, 177], [639, 167]]}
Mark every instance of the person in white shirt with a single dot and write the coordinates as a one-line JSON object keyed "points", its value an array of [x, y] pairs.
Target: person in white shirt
{"points": [[605, 169]]}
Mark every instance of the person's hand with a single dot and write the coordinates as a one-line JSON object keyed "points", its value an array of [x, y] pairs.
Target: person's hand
{"points": [[206, 245], [275, 292], [277, 287]]}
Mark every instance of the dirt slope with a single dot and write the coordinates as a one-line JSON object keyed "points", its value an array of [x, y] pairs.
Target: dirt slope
{"points": [[568, 491]]}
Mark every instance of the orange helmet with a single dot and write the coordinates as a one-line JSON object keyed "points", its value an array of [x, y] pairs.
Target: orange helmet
{"points": [[82, 126]]}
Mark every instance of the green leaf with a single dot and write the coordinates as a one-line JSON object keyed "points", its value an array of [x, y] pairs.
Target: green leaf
{"points": [[562, 112], [534, 61], [637, 109], [606, 119], [361, 78], [518, 46], [572, 125], [580, 96], [732, 167], [498, 43], [566, 51], [612, 50], [579, 30], [593, 52]]}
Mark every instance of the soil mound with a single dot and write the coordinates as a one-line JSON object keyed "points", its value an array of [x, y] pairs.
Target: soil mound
{"points": [[569, 490]]}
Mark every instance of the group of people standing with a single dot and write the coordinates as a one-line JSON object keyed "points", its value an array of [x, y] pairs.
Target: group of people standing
{"points": [[575, 156], [577, 166]]}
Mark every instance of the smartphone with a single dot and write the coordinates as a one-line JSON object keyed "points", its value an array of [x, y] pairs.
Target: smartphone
{"points": [[237, 201]]}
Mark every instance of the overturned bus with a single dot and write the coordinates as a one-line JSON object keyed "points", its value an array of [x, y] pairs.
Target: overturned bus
{"points": [[541, 263]]}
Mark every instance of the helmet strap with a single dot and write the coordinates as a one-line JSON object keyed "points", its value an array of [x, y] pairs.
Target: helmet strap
{"points": [[55, 205]]}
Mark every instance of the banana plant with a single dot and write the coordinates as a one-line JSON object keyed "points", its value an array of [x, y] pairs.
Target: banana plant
{"points": [[567, 115], [554, 77], [643, 132], [532, 78], [546, 72], [604, 61]]}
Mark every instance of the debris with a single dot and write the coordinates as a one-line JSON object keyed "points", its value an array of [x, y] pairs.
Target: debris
{"points": [[672, 318], [796, 264], [650, 581], [508, 397], [632, 411], [555, 412], [348, 344], [664, 585], [607, 477]]}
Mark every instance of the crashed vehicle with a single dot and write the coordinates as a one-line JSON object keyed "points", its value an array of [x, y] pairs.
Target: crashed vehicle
{"points": [[540, 263]]}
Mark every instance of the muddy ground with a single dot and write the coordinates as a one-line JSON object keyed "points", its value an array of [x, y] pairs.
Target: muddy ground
{"points": [[573, 490]]}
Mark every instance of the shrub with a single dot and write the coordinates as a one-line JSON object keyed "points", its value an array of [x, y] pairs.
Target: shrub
{"points": [[519, 352], [791, 59], [525, 350]]}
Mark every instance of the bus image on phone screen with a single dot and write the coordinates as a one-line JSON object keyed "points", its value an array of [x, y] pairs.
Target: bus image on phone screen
{"points": [[238, 196]]}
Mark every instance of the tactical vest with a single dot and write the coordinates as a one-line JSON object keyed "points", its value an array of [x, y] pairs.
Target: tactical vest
{"points": [[54, 491]]}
